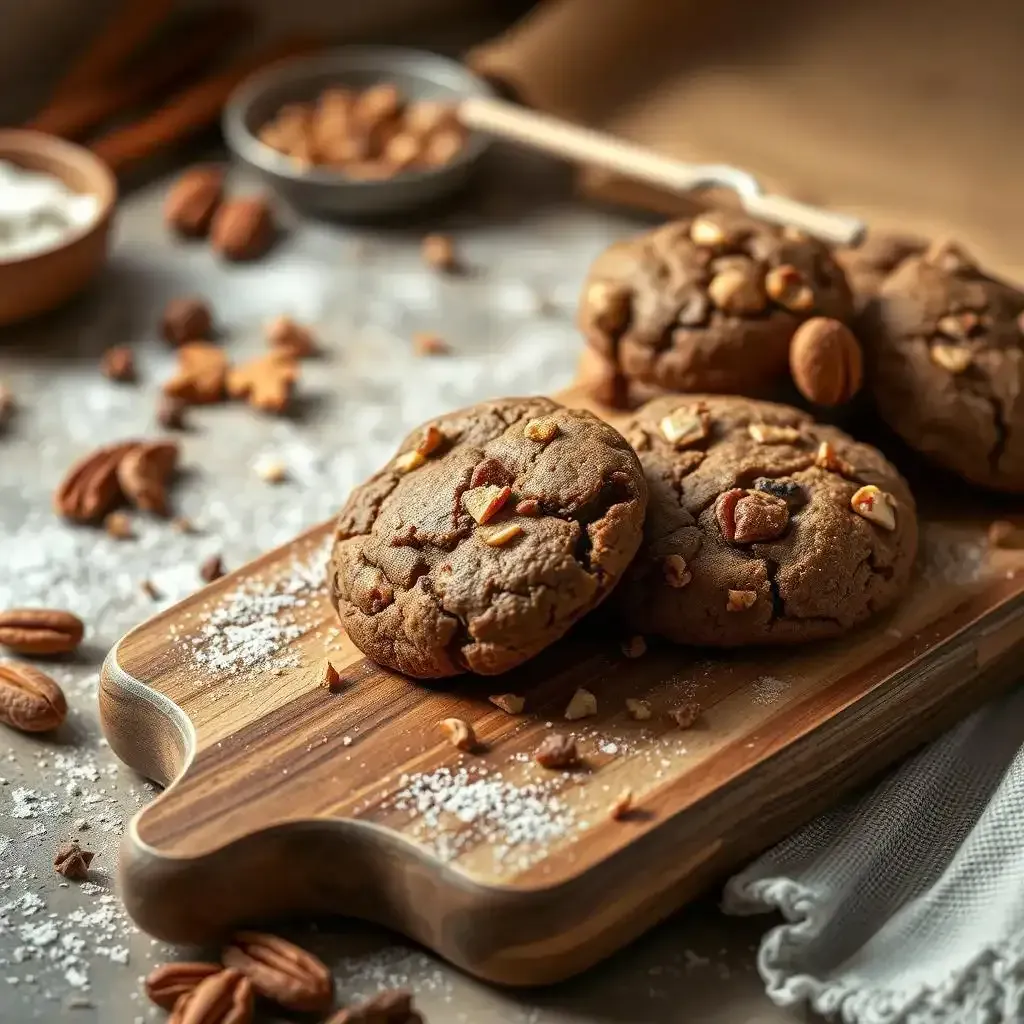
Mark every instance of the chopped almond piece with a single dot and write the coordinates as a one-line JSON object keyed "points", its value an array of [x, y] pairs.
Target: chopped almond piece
{"points": [[582, 705], [511, 703], [502, 535], [484, 503]]}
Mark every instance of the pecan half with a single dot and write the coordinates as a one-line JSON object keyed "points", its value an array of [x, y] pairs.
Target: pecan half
{"points": [[193, 199], [281, 971], [29, 699], [40, 630], [243, 229], [222, 998], [143, 473], [746, 517], [166, 984], [90, 489], [72, 861]]}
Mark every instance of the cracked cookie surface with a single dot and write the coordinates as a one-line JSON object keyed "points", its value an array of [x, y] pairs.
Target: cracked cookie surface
{"points": [[752, 536], [708, 304], [490, 533], [944, 356]]}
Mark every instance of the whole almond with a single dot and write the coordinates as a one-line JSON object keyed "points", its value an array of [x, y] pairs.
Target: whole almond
{"points": [[825, 361], [166, 984], [143, 473], [40, 631], [281, 971], [193, 200], [90, 488], [243, 229], [29, 699], [222, 998]]}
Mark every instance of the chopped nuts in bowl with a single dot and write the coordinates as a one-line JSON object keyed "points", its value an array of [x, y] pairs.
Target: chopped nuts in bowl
{"points": [[359, 132]]}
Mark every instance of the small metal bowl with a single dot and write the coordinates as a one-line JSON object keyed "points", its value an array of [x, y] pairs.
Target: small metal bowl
{"points": [[419, 76]]}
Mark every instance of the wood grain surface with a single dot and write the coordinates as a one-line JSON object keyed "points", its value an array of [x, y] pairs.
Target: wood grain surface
{"points": [[288, 798]]}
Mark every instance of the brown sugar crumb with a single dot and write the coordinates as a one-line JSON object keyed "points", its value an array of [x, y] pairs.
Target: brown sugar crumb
{"points": [[118, 364], [425, 343], [634, 646], [622, 806], [438, 253], [686, 714], [557, 751], [212, 569]]}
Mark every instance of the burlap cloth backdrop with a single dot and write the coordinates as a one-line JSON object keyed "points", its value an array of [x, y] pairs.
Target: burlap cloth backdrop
{"points": [[907, 113]]}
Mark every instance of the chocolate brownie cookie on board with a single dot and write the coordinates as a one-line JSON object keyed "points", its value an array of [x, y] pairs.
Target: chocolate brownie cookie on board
{"points": [[762, 526], [491, 531], [944, 357], [708, 304]]}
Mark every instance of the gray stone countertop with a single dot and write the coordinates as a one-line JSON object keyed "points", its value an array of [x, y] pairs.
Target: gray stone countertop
{"points": [[67, 950]]}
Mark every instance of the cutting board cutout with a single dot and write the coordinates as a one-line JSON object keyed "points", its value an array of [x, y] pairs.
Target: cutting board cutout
{"points": [[285, 798]]}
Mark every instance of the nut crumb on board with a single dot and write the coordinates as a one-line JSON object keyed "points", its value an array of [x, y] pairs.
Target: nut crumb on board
{"points": [[622, 806], [557, 751], [459, 733], [686, 714], [582, 705], [639, 710], [511, 703]]}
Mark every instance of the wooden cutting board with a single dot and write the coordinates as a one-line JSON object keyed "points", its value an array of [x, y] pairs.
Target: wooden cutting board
{"points": [[288, 798]]}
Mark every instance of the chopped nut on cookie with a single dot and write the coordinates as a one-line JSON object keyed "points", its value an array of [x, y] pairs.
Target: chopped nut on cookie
{"points": [[675, 571], [502, 535], [541, 430], [582, 705], [685, 427], [484, 503], [408, 461], [875, 505], [528, 507], [789, 288], [788, 490], [607, 306], [826, 458], [738, 292], [953, 358], [769, 433], [750, 517], [430, 440], [740, 600]]}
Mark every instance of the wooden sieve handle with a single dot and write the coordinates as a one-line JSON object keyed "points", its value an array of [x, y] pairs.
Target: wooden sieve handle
{"points": [[585, 145]]}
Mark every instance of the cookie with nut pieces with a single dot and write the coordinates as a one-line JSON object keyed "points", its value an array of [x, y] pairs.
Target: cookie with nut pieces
{"points": [[491, 531], [944, 358], [763, 526], [707, 304]]}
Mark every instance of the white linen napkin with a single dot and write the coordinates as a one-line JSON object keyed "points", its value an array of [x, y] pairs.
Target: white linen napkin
{"points": [[906, 905]]}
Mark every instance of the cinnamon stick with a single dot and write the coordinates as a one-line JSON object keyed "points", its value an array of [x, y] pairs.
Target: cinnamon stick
{"points": [[132, 25], [185, 53], [191, 110]]}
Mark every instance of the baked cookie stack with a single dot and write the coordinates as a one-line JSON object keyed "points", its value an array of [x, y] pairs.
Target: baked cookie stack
{"points": [[716, 519]]}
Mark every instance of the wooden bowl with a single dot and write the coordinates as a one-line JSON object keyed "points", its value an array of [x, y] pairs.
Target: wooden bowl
{"points": [[34, 284]]}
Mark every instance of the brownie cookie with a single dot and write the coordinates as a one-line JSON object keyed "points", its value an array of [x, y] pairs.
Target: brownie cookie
{"points": [[762, 526], [486, 537], [944, 355], [873, 260], [708, 304]]}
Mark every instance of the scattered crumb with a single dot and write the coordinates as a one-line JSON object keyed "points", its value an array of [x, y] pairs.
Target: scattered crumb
{"points": [[511, 703], [634, 647], [426, 343], [271, 470], [686, 714], [638, 709], [118, 525], [582, 705], [438, 252], [623, 805]]}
